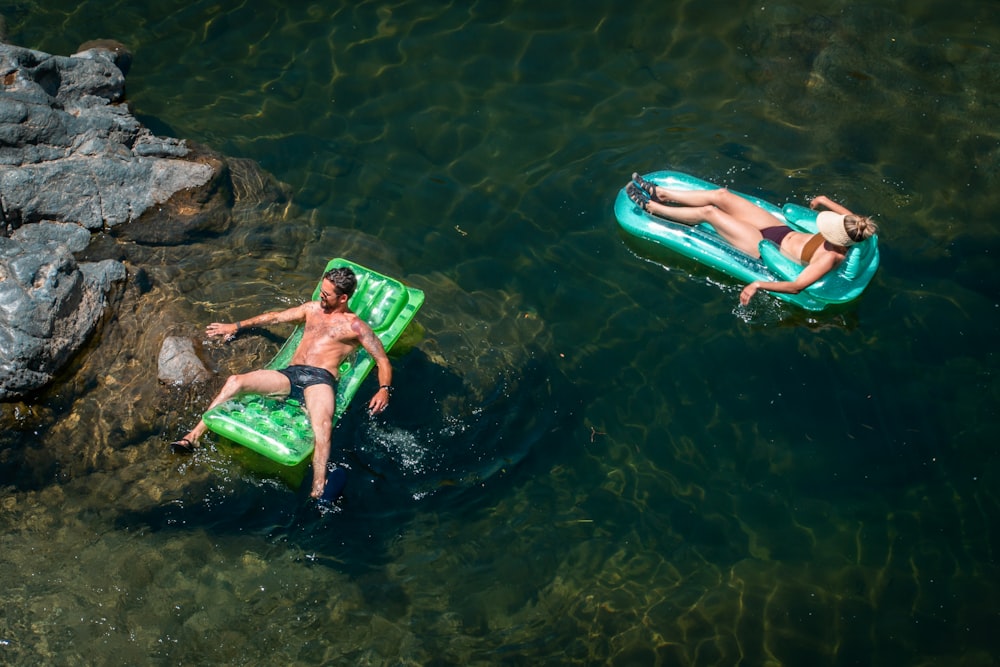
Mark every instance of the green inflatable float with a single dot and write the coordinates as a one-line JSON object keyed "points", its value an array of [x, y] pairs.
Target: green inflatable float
{"points": [[279, 429], [703, 244]]}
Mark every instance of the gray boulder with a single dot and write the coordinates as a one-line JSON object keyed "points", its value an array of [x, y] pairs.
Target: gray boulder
{"points": [[73, 160], [74, 237], [62, 123], [179, 364], [49, 306]]}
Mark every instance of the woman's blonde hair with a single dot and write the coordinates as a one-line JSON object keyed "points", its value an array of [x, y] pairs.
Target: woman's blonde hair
{"points": [[859, 227]]}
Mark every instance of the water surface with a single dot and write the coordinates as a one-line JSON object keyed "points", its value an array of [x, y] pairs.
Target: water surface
{"points": [[594, 455]]}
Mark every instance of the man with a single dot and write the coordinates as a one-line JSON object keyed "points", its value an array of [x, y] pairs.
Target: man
{"points": [[331, 333]]}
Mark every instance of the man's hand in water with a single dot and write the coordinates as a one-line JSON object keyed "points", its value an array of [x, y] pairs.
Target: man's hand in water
{"points": [[221, 329], [380, 401]]}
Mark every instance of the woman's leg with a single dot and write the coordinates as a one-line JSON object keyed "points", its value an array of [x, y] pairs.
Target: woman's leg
{"points": [[737, 220], [736, 206], [739, 234]]}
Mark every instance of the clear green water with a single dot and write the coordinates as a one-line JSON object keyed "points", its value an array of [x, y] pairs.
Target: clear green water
{"points": [[594, 456]]}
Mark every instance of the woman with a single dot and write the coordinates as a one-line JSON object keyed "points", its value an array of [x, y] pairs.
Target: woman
{"points": [[744, 224]]}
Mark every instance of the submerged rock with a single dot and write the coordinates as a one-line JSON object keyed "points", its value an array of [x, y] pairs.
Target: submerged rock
{"points": [[179, 363]]}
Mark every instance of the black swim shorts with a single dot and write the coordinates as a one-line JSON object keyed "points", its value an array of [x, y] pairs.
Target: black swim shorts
{"points": [[301, 377]]}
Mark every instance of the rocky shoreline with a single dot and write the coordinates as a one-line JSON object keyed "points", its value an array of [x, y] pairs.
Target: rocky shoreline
{"points": [[106, 290], [82, 180]]}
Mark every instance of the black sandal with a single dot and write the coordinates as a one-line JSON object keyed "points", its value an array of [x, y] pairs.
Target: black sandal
{"points": [[637, 196], [646, 186], [182, 446]]}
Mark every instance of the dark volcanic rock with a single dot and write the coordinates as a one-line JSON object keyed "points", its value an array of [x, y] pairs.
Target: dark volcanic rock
{"points": [[82, 178], [73, 160], [49, 306], [70, 152]]}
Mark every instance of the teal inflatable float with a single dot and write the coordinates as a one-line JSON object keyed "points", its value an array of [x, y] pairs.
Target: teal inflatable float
{"points": [[703, 244], [279, 429]]}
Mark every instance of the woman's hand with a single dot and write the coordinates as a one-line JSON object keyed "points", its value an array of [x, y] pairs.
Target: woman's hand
{"points": [[748, 292], [822, 201], [819, 201]]}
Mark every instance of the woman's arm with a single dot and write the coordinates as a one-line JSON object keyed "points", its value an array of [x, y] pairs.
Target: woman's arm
{"points": [[827, 203], [818, 268]]}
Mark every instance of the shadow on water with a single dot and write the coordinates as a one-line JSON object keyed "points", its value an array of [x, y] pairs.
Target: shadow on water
{"points": [[157, 126], [765, 309], [417, 459]]}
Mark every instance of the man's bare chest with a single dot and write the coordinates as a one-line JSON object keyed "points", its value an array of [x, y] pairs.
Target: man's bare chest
{"points": [[332, 329]]}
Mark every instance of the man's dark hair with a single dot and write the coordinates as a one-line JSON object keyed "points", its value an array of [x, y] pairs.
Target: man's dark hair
{"points": [[343, 279]]}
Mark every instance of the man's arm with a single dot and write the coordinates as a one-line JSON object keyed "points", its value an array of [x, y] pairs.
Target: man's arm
{"points": [[296, 314], [372, 344]]}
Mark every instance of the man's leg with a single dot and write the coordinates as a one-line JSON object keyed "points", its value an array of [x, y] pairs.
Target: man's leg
{"points": [[320, 403], [258, 382]]}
